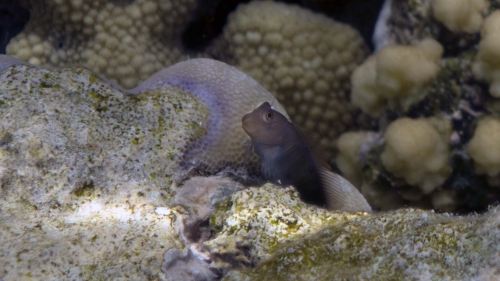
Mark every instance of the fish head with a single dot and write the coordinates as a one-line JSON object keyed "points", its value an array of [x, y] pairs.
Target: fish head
{"points": [[265, 125]]}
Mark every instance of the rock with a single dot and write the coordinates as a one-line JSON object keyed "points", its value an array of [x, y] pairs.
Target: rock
{"points": [[85, 175], [267, 233], [258, 221]]}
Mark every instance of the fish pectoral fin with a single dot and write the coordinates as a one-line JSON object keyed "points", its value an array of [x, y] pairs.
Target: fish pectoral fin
{"points": [[341, 194], [273, 173]]}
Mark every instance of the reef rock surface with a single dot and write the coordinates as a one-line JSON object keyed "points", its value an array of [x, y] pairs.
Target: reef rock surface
{"points": [[407, 244]]}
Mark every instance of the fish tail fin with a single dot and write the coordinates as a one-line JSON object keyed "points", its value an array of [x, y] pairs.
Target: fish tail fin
{"points": [[341, 194]]}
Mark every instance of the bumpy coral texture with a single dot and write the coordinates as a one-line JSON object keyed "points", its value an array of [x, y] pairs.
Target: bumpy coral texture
{"points": [[126, 41], [415, 151], [303, 58], [85, 175], [448, 21], [395, 77], [487, 64], [229, 94], [484, 147], [460, 15]]}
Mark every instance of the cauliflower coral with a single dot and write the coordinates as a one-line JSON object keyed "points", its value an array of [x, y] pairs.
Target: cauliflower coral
{"points": [[395, 76], [460, 15], [484, 147], [487, 64], [415, 151], [126, 41]]}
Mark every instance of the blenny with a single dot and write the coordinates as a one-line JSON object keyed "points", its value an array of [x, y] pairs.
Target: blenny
{"points": [[287, 158]]}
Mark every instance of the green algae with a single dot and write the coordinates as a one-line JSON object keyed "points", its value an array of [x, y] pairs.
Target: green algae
{"points": [[87, 190], [199, 130], [162, 124]]}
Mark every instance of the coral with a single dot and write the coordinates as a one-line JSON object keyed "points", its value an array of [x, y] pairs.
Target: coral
{"points": [[451, 93], [303, 58], [349, 159], [126, 41], [229, 94], [453, 100], [487, 63], [409, 22], [85, 174], [403, 245], [484, 147], [257, 221], [415, 151], [461, 15], [395, 77]]}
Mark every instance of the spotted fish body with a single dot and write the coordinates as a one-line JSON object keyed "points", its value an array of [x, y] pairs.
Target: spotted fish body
{"points": [[287, 159]]}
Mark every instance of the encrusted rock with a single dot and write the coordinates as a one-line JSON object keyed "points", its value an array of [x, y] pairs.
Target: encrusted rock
{"points": [[402, 245]]}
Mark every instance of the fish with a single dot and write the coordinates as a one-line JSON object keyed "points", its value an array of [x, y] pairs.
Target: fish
{"points": [[288, 158]]}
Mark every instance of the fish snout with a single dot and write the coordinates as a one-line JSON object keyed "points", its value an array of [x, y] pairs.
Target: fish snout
{"points": [[245, 123]]}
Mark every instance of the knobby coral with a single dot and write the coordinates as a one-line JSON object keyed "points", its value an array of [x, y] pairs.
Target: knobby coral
{"points": [[417, 82], [484, 147], [395, 77], [487, 63], [460, 15], [415, 151], [126, 41]]}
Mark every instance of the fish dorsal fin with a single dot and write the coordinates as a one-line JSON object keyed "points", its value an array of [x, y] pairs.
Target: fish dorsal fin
{"points": [[341, 194]]}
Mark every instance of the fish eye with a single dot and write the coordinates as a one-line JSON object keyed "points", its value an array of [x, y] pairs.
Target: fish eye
{"points": [[267, 116]]}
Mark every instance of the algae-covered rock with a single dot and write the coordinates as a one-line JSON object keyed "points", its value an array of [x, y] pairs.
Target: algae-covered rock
{"points": [[266, 233], [85, 175], [258, 221], [407, 244]]}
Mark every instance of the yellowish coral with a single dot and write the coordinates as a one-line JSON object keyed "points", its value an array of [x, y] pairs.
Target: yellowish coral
{"points": [[126, 41], [348, 159], [460, 15], [415, 151], [303, 58], [484, 147], [487, 64], [395, 76]]}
